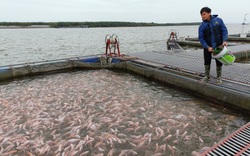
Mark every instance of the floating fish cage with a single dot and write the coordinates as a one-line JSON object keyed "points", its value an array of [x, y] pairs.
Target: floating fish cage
{"points": [[93, 61]]}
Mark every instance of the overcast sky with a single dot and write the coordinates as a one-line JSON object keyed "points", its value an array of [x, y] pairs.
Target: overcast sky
{"points": [[158, 11]]}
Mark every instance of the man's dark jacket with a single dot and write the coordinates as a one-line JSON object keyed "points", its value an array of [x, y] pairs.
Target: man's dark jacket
{"points": [[212, 33]]}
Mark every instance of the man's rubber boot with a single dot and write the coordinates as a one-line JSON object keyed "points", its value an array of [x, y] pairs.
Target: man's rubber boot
{"points": [[218, 69], [207, 74]]}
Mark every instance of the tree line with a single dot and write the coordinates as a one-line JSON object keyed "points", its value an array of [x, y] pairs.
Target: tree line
{"points": [[91, 24]]}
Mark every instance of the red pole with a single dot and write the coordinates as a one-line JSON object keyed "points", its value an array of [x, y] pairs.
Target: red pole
{"points": [[107, 46]]}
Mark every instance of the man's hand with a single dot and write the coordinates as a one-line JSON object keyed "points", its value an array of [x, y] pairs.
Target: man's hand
{"points": [[224, 44], [210, 49]]}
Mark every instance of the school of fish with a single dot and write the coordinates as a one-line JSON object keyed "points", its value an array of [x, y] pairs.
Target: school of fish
{"points": [[106, 113]]}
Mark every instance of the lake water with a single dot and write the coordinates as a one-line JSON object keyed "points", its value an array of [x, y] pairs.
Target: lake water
{"points": [[32, 45], [102, 112]]}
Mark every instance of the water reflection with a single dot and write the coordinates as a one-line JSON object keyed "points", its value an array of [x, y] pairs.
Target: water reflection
{"points": [[107, 113]]}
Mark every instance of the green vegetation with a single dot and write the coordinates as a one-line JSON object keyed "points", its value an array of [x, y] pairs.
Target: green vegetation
{"points": [[91, 24], [22, 24]]}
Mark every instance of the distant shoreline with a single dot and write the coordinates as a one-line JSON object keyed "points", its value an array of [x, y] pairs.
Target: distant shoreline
{"points": [[23, 25]]}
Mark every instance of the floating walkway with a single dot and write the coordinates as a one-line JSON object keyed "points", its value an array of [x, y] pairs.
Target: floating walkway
{"points": [[233, 40], [186, 69]]}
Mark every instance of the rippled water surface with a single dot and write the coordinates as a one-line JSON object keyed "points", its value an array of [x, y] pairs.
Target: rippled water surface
{"points": [[102, 112], [32, 45]]}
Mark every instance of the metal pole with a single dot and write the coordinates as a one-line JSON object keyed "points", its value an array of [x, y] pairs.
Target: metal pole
{"points": [[243, 24]]}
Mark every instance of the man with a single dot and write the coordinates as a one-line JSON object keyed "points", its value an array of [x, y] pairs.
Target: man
{"points": [[212, 33]]}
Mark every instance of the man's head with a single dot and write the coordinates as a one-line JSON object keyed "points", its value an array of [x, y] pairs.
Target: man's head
{"points": [[205, 13]]}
